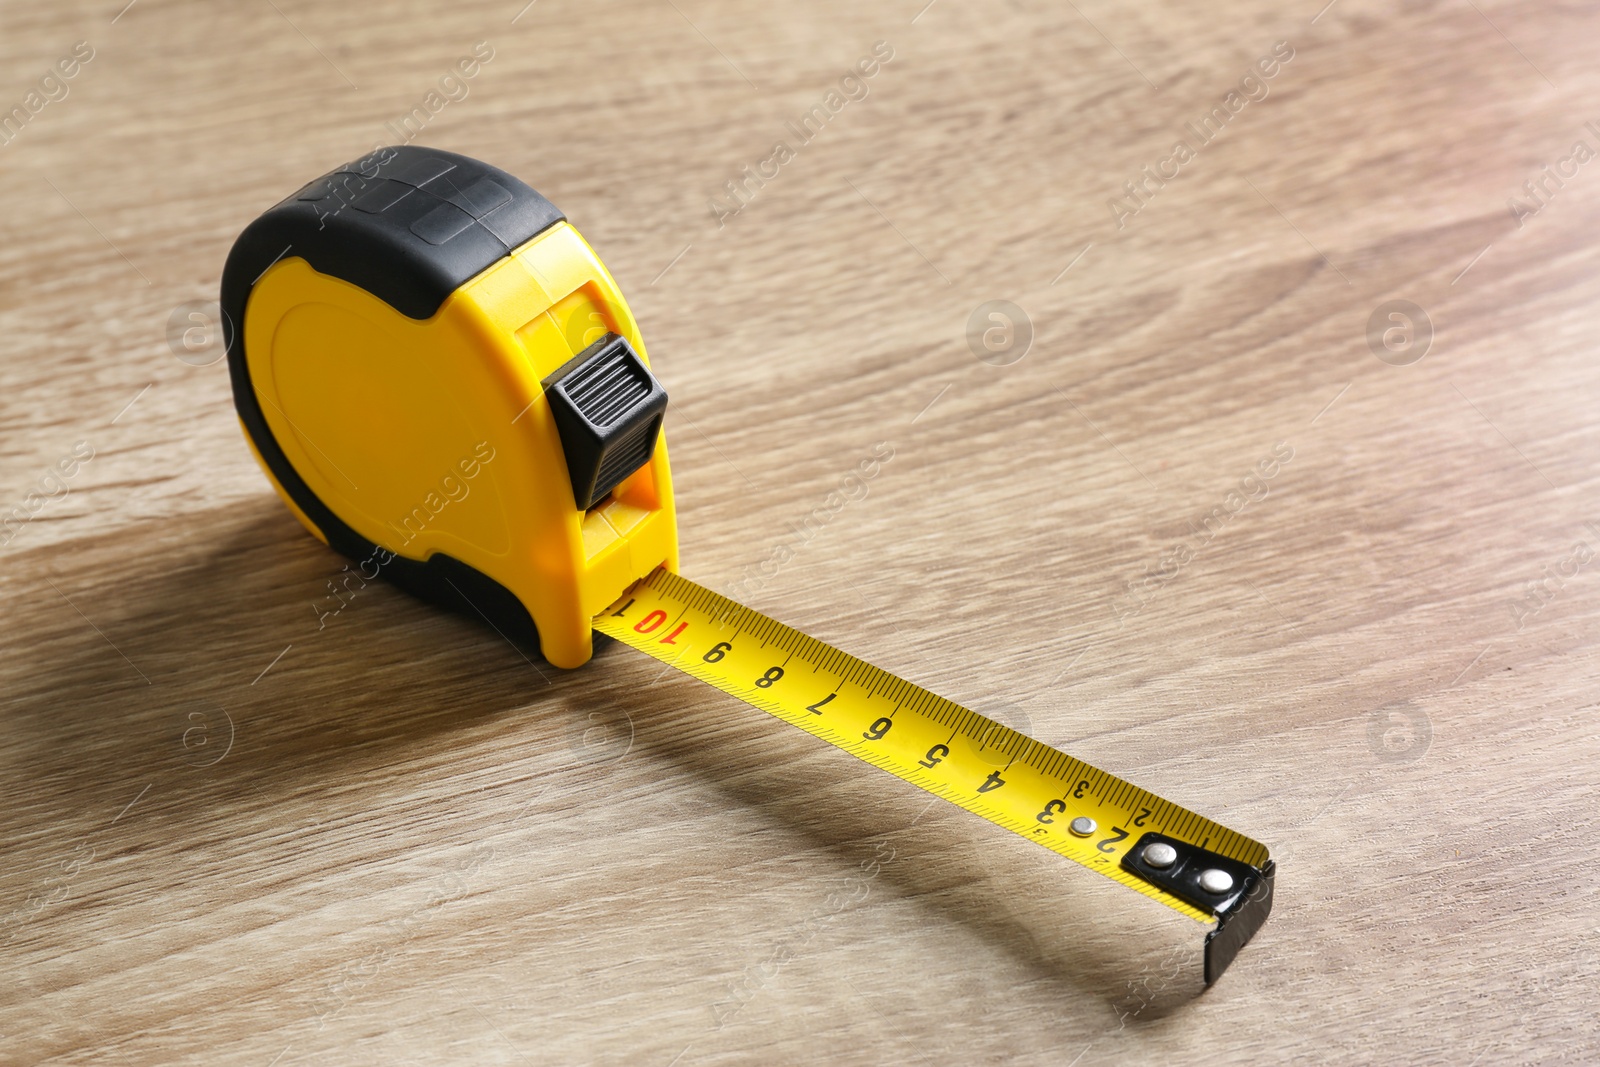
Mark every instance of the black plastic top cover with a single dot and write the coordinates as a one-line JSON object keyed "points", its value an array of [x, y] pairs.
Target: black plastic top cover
{"points": [[407, 224]]}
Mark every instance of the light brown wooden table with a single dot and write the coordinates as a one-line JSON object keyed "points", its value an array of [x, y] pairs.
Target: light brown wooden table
{"points": [[231, 837]]}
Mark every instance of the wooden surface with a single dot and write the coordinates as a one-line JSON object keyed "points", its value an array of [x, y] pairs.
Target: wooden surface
{"points": [[231, 837]]}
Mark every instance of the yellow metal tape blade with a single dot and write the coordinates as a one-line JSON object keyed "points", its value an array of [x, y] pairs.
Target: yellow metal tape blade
{"points": [[952, 752]]}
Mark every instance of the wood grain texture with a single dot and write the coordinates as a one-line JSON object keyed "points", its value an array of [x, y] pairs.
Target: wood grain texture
{"points": [[392, 840]]}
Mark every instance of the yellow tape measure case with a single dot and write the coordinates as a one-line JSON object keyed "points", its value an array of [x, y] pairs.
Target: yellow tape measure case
{"points": [[443, 381]]}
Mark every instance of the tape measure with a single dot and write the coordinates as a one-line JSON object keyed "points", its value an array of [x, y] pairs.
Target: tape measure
{"points": [[442, 381]]}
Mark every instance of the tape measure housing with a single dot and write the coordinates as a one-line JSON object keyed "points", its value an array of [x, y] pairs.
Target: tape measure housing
{"points": [[396, 321]]}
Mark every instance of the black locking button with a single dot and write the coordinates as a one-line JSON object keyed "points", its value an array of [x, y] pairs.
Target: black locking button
{"points": [[608, 409]]}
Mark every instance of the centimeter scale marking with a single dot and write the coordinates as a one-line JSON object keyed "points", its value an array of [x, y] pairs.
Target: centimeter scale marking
{"points": [[954, 753]]}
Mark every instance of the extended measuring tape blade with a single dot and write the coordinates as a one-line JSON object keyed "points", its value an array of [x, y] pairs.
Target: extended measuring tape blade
{"points": [[1187, 862]]}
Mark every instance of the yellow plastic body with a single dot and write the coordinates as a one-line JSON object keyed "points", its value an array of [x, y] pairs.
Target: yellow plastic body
{"points": [[435, 436]]}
